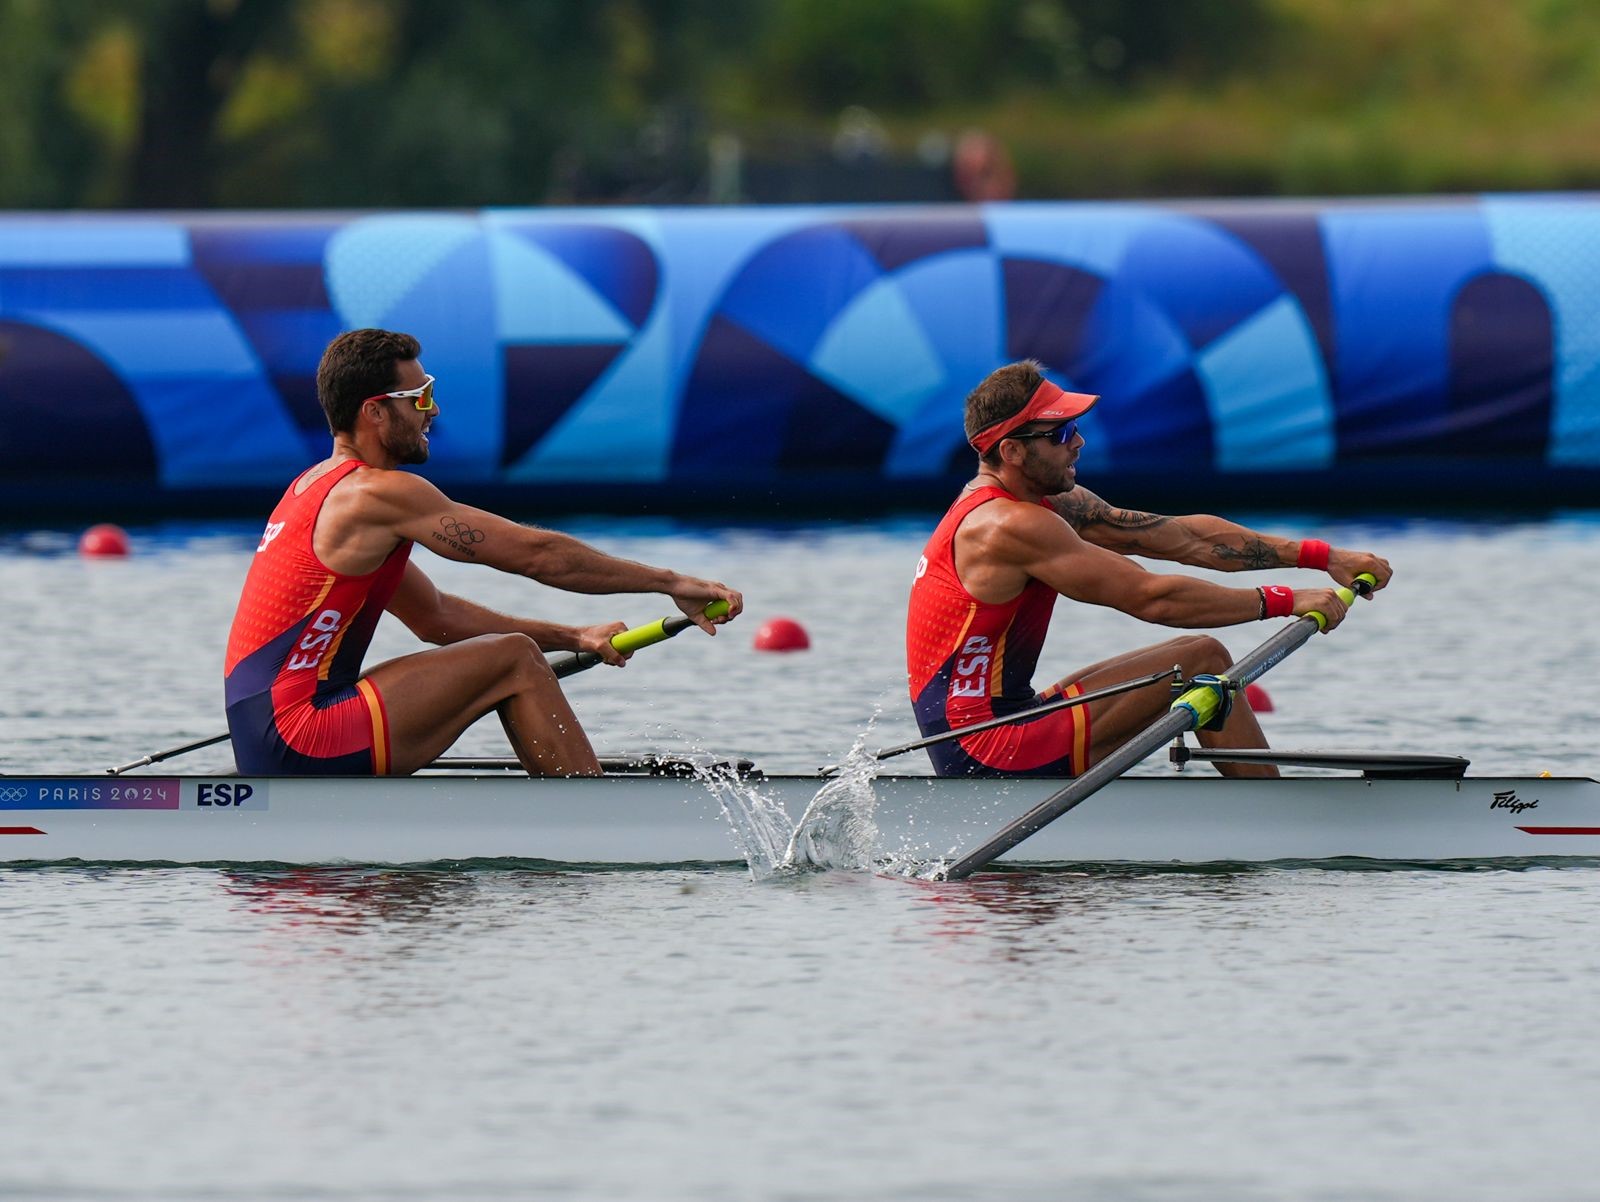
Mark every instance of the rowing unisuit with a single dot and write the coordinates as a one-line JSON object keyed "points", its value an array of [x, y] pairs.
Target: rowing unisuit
{"points": [[969, 660], [297, 704]]}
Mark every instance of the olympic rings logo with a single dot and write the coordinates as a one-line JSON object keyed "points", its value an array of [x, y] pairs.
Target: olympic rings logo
{"points": [[460, 531], [12, 793]]}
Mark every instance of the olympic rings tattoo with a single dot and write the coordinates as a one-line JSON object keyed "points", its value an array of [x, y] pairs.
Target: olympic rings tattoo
{"points": [[460, 531]]}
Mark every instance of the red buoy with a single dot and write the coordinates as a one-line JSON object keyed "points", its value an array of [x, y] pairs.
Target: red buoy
{"points": [[782, 634], [104, 541], [1258, 699]]}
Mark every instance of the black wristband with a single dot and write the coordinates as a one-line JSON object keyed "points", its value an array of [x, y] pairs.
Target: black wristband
{"points": [[1262, 593]]}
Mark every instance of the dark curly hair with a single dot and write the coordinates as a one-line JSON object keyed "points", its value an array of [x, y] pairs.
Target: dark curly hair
{"points": [[357, 365]]}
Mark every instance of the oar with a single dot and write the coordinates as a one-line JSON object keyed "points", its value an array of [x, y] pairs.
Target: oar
{"points": [[564, 663], [1049, 707], [169, 753], [1195, 708]]}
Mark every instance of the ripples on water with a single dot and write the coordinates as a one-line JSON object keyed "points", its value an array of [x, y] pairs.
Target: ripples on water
{"points": [[684, 1033]]}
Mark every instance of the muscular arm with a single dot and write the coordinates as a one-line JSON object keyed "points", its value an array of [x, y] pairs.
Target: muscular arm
{"points": [[377, 508], [438, 617], [1004, 543], [1200, 540]]}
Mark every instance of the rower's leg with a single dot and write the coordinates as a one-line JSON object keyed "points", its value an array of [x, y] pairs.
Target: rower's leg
{"points": [[1115, 720], [432, 696]]}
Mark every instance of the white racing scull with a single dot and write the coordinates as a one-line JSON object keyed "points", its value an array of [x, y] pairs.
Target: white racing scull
{"points": [[651, 811], [651, 816]]}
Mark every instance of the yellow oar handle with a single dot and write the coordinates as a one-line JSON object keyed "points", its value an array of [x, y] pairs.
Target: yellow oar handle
{"points": [[661, 629], [629, 641], [1364, 584]]}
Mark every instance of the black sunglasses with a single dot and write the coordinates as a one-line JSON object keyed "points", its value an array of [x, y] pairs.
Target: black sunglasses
{"points": [[1056, 436]]}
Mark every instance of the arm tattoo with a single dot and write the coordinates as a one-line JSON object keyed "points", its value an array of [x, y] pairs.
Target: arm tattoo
{"points": [[458, 536], [1251, 553], [1082, 510]]}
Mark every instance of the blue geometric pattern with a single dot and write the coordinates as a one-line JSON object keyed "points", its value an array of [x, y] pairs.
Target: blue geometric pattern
{"points": [[739, 348]]}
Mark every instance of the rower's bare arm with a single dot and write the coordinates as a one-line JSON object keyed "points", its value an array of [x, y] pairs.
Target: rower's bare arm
{"points": [[414, 508], [1044, 547], [442, 618], [1201, 540]]}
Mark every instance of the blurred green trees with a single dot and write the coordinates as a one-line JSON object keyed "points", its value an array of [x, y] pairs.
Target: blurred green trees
{"points": [[377, 103]]}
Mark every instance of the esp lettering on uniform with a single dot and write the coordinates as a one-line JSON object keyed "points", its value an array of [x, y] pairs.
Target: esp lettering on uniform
{"points": [[972, 668], [271, 532], [315, 644]]}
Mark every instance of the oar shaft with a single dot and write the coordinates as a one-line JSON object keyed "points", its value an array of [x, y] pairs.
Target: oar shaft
{"points": [[1169, 725], [1028, 715], [158, 756], [1180, 718]]}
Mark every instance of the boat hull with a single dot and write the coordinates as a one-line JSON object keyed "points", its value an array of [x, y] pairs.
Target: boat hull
{"points": [[660, 820]]}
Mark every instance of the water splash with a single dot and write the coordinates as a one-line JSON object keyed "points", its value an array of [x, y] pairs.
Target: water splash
{"points": [[916, 863], [761, 827], [837, 830]]}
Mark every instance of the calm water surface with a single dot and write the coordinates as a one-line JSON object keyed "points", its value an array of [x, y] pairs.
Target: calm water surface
{"points": [[691, 1034]]}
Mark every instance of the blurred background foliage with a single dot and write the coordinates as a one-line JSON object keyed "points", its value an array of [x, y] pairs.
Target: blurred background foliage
{"points": [[379, 103]]}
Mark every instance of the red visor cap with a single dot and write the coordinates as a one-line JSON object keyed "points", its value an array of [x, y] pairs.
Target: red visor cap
{"points": [[1047, 404]]}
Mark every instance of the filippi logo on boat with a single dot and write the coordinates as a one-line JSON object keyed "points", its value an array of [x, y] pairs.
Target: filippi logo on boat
{"points": [[1507, 799]]}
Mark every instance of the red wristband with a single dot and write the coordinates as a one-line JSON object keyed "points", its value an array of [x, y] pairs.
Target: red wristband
{"points": [[1314, 554], [1277, 600]]}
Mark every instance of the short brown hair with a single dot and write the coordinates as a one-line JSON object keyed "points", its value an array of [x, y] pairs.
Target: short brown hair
{"points": [[1002, 394], [357, 365]]}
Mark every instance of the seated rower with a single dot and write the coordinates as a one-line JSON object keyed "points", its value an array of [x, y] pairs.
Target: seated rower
{"points": [[1023, 532], [336, 553]]}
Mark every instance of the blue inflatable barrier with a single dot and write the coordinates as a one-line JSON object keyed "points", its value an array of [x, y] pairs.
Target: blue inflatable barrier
{"points": [[1429, 351]]}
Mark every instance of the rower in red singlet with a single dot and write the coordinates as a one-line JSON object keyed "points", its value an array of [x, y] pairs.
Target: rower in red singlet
{"points": [[972, 660], [1022, 532], [335, 555], [296, 699]]}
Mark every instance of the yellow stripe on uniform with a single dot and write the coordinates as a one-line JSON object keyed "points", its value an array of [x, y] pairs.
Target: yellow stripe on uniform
{"points": [[380, 726], [966, 625], [316, 604], [1080, 731]]}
